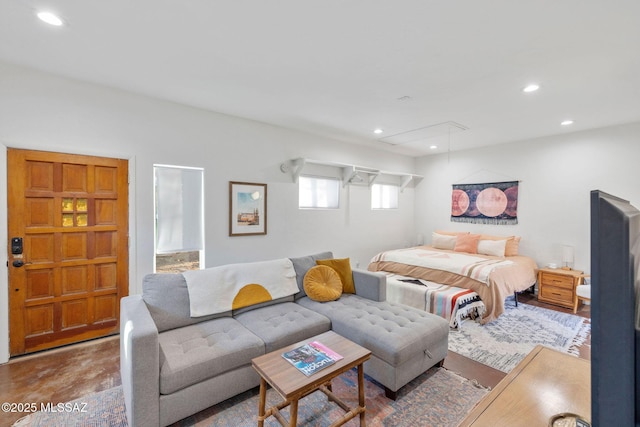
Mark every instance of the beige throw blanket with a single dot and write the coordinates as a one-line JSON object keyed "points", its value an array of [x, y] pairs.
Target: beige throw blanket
{"points": [[459, 263], [503, 281], [229, 287]]}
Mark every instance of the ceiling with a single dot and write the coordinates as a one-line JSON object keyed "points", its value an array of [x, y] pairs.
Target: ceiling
{"points": [[446, 73]]}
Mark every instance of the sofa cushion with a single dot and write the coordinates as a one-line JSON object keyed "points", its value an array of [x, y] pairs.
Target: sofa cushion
{"points": [[167, 299], [283, 324], [342, 266], [194, 353], [394, 333], [304, 263], [322, 283]]}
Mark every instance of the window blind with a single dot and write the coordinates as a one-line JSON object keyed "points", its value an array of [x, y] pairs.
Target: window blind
{"points": [[179, 209]]}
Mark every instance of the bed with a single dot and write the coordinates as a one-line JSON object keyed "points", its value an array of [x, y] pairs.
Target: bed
{"points": [[487, 265]]}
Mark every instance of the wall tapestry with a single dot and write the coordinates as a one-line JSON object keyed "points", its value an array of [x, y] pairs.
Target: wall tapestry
{"points": [[490, 203]]}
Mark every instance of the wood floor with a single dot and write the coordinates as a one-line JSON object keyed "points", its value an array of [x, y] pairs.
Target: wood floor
{"points": [[73, 371]]}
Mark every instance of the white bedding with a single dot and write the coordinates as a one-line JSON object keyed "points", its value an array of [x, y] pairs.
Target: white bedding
{"points": [[459, 263]]}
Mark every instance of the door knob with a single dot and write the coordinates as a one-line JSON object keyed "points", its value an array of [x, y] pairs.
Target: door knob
{"points": [[18, 263]]}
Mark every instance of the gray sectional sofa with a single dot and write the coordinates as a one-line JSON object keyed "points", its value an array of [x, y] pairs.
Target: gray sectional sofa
{"points": [[173, 365]]}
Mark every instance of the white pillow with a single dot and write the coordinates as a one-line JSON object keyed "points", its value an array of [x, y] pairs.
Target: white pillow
{"points": [[440, 241], [492, 247]]}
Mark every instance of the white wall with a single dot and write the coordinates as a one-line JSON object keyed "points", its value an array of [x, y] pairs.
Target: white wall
{"points": [[43, 112], [557, 174]]}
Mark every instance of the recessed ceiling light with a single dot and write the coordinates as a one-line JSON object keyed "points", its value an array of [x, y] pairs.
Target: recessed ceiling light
{"points": [[433, 147], [50, 18], [377, 131], [531, 88], [566, 122]]}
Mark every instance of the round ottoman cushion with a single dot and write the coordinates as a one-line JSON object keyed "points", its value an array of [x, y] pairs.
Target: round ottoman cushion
{"points": [[322, 283]]}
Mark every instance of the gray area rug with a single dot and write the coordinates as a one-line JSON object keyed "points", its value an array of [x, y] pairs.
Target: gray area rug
{"points": [[503, 343], [436, 398]]}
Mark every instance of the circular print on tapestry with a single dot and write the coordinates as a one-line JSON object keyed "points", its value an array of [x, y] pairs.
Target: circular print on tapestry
{"points": [[512, 201], [459, 202], [491, 202]]}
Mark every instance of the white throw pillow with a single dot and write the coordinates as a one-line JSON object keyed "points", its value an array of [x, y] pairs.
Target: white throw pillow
{"points": [[492, 247], [440, 241]]}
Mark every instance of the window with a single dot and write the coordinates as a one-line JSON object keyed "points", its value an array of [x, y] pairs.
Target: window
{"points": [[318, 193], [384, 196], [179, 218]]}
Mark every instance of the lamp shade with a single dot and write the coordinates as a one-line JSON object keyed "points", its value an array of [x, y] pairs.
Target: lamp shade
{"points": [[567, 254]]}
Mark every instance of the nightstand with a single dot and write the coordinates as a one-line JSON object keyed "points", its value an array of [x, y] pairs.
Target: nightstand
{"points": [[557, 286]]}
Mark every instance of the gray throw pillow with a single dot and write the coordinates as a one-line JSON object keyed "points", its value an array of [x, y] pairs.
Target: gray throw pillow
{"points": [[167, 299], [302, 264]]}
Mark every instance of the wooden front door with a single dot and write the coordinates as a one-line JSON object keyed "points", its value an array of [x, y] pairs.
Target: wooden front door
{"points": [[68, 247]]}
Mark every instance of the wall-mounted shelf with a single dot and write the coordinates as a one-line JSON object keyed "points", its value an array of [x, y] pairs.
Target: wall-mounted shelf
{"points": [[348, 174]]}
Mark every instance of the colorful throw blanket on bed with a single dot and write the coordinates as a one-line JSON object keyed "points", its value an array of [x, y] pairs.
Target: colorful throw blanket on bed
{"points": [[452, 303], [229, 287], [471, 266]]}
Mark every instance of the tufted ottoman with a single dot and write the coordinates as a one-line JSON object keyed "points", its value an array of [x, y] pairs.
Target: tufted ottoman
{"points": [[404, 341]]}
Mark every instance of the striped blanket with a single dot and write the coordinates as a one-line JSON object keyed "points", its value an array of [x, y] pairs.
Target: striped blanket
{"points": [[452, 303], [474, 267]]}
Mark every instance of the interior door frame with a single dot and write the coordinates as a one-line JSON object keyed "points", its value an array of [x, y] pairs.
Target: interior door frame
{"points": [[4, 253], [134, 282]]}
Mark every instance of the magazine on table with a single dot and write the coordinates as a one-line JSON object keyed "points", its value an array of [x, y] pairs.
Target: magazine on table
{"points": [[310, 358]]}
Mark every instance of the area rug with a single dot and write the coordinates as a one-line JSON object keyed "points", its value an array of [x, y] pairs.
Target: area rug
{"points": [[436, 398], [503, 343]]}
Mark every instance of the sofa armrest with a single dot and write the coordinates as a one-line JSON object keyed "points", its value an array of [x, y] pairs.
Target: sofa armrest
{"points": [[139, 363], [370, 284]]}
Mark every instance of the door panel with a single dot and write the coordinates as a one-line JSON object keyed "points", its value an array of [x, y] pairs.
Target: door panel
{"points": [[72, 213]]}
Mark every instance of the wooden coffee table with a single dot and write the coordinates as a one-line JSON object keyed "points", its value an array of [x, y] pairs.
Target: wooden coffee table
{"points": [[293, 385]]}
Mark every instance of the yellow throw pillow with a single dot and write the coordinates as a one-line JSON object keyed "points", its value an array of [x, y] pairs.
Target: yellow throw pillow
{"points": [[322, 283], [343, 267]]}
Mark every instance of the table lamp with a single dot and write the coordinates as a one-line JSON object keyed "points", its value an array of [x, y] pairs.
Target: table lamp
{"points": [[567, 257]]}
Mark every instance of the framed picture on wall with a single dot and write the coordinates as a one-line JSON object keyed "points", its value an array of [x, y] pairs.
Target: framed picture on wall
{"points": [[247, 209]]}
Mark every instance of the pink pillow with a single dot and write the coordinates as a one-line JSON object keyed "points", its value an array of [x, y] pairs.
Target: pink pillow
{"points": [[467, 243], [512, 246]]}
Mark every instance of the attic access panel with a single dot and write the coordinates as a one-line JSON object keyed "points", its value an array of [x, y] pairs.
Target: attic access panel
{"points": [[426, 134]]}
